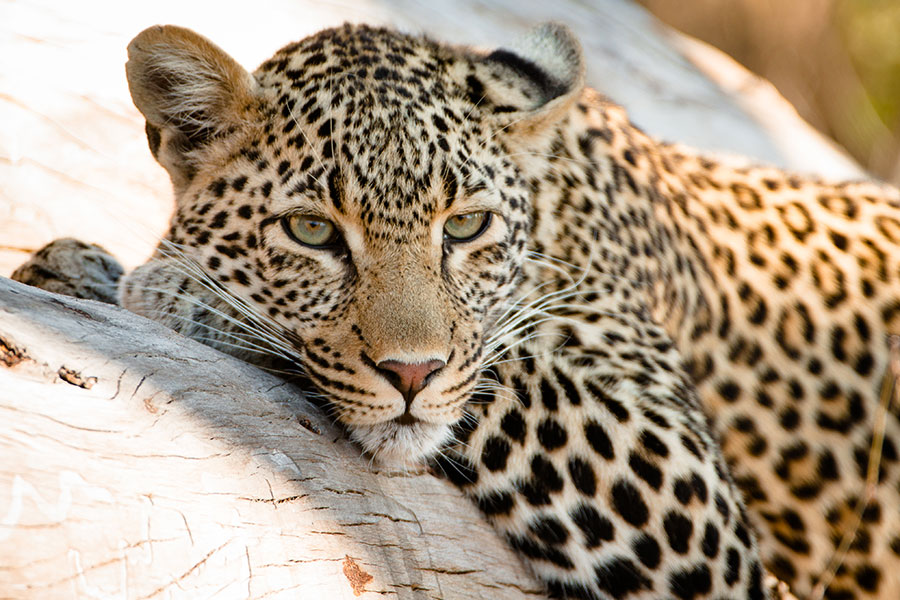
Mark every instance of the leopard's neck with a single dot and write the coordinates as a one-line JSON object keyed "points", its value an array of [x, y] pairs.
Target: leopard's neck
{"points": [[607, 194]]}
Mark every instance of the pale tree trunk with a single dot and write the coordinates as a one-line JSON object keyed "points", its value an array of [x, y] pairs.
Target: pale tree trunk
{"points": [[139, 464]]}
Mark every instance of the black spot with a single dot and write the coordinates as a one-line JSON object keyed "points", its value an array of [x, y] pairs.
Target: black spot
{"points": [[535, 492], [571, 392], [545, 480], [755, 590], [440, 123], [710, 543], [838, 239], [652, 443], [496, 503], [457, 469], [549, 530], [548, 396], [867, 577], [827, 467], [732, 566], [513, 425], [628, 502], [690, 446], [595, 527], [620, 577], [647, 550], [313, 116], [565, 590], [692, 583], [533, 549], [782, 568], [240, 277], [245, 211], [326, 128], [729, 390], [239, 183], [316, 59], [543, 470], [334, 189], [740, 530], [864, 364], [495, 453], [451, 186], [228, 251], [838, 337], [656, 418], [384, 73], [790, 418], [645, 470], [678, 531], [614, 406], [683, 491], [551, 434], [219, 220], [599, 440], [217, 187], [699, 487], [475, 91], [583, 477]]}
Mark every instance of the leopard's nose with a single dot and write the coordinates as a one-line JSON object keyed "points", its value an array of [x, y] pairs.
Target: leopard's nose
{"points": [[409, 378]]}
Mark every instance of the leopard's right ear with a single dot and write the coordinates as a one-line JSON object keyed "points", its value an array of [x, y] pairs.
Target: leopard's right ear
{"points": [[532, 86], [191, 92]]}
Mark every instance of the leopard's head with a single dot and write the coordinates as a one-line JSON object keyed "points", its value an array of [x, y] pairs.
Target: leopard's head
{"points": [[367, 195]]}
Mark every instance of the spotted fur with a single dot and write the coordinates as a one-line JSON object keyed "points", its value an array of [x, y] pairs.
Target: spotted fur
{"points": [[640, 344]]}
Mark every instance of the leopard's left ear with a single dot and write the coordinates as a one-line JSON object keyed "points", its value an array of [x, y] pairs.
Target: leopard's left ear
{"points": [[533, 84], [191, 93]]}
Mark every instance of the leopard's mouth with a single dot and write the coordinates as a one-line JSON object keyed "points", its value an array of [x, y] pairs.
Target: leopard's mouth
{"points": [[407, 420], [402, 442]]}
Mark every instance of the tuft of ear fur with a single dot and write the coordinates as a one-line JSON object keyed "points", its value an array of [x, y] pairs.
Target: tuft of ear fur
{"points": [[190, 91], [536, 81]]}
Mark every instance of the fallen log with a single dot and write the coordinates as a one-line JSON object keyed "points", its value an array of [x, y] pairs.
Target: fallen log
{"points": [[140, 464]]}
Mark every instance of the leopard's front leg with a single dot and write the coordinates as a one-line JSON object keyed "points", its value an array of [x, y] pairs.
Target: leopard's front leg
{"points": [[597, 464]]}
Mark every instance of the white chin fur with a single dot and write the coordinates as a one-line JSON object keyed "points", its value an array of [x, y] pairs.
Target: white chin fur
{"points": [[394, 445]]}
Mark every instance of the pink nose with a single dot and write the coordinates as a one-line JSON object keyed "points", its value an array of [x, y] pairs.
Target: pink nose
{"points": [[409, 378]]}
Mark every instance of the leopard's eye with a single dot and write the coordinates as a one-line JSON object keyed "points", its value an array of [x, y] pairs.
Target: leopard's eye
{"points": [[466, 227], [310, 230]]}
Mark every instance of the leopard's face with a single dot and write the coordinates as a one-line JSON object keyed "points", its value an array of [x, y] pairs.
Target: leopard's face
{"points": [[385, 264], [380, 230]]}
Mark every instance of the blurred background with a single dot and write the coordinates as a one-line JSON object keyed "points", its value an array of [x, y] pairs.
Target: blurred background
{"points": [[837, 61]]}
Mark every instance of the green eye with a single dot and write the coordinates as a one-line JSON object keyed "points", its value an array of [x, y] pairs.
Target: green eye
{"points": [[310, 230], [462, 228]]}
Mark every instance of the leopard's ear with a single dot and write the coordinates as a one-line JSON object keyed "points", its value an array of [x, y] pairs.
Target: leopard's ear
{"points": [[191, 92], [533, 84]]}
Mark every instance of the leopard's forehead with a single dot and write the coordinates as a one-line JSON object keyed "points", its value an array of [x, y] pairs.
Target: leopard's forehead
{"points": [[383, 124]]}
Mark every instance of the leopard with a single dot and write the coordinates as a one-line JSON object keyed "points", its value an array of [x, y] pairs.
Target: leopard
{"points": [[657, 374]]}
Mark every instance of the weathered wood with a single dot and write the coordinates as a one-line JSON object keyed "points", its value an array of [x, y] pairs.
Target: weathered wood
{"points": [[137, 463]]}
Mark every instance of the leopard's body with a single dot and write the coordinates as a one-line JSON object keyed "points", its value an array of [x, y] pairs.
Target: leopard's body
{"points": [[639, 344]]}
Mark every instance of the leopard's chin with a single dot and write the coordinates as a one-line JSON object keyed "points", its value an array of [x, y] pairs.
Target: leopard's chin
{"points": [[395, 444]]}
